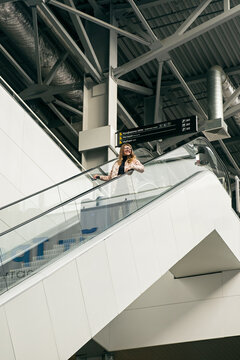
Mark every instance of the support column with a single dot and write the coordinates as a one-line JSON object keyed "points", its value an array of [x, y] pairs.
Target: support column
{"points": [[97, 139]]}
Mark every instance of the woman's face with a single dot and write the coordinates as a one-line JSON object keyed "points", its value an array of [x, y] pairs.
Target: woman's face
{"points": [[127, 150]]}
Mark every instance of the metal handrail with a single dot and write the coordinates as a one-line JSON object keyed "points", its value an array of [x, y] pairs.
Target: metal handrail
{"points": [[237, 192], [55, 185], [99, 186]]}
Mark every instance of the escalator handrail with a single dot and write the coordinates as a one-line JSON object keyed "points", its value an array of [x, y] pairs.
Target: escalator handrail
{"points": [[97, 188], [63, 203], [55, 185]]}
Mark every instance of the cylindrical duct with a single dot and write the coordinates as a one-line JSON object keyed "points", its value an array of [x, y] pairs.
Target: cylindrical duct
{"points": [[18, 28], [215, 98]]}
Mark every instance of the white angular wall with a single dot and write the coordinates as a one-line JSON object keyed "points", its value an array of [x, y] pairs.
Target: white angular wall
{"points": [[30, 159], [178, 310], [56, 311]]}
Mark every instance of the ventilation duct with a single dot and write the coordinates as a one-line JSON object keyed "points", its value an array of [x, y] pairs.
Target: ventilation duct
{"points": [[18, 28], [215, 129], [214, 86]]}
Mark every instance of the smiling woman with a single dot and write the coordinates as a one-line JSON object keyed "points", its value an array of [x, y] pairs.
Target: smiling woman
{"points": [[127, 161]]}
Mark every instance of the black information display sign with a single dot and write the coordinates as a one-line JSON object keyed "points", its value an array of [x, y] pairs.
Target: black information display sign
{"points": [[158, 131]]}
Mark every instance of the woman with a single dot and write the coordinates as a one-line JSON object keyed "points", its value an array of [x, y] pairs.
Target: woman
{"points": [[127, 161]]}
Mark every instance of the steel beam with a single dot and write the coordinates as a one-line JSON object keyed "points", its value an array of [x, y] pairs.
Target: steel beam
{"points": [[140, 71], [127, 120], [134, 87], [229, 156], [82, 34], [36, 41], [96, 7], [226, 4], [63, 119], [235, 140], [187, 89], [6, 1], [158, 88], [54, 69], [125, 116], [68, 107], [98, 22], [27, 80], [43, 91], [143, 20], [188, 22], [174, 41], [70, 45], [231, 99], [142, 4], [234, 70], [232, 111]]}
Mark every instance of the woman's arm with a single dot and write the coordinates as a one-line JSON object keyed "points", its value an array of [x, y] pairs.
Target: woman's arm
{"points": [[112, 174], [105, 177], [136, 165]]}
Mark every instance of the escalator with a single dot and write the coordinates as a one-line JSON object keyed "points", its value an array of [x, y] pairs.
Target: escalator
{"points": [[49, 223], [24, 209], [106, 246]]}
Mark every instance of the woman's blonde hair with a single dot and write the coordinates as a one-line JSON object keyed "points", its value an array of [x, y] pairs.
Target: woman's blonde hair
{"points": [[130, 158]]}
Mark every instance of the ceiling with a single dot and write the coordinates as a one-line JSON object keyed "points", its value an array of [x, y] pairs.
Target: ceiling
{"points": [[213, 349], [46, 50]]}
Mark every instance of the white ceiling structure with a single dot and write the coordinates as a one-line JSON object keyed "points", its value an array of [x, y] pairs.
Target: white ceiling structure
{"points": [[165, 49]]}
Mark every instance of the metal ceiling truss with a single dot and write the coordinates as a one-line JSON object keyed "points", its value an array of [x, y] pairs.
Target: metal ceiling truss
{"points": [[42, 89], [190, 20], [98, 22], [47, 91], [97, 8], [48, 79], [232, 111], [134, 87], [68, 107], [70, 45], [142, 4], [156, 43], [175, 41], [229, 156], [30, 93], [187, 89], [89, 62], [231, 99], [25, 77], [140, 71], [63, 119], [82, 34]]}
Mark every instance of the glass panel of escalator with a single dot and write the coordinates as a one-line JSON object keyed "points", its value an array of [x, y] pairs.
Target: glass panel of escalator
{"points": [[30, 207], [34, 245], [34, 205], [82, 183], [29, 247], [108, 205]]}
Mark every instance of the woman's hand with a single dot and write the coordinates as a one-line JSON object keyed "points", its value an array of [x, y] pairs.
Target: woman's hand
{"points": [[96, 176], [129, 171]]}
